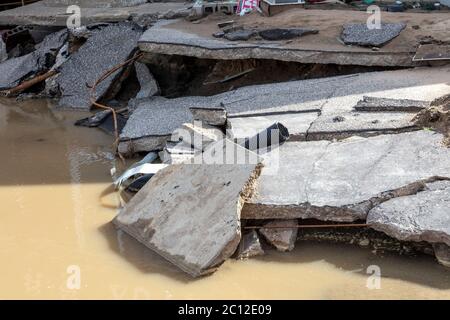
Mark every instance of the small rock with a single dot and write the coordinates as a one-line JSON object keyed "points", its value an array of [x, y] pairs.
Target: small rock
{"points": [[250, 246], [219, 34], [281, 238], [442, 253], [364, 242], [242, 35]]}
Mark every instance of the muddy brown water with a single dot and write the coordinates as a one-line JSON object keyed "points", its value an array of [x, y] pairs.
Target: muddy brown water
{"points": [[55, 224]]}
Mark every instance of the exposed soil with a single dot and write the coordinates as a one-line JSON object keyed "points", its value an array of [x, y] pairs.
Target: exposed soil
{"points": [[183, 76]]}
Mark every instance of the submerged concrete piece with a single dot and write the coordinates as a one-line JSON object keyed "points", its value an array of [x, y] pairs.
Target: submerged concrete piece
{"points": [[423, 216], [374, 104], [282, 234], [190, 214], [343, 181], [250, 246], [338, 126], [15, 70], [99, 54], [239, 128], [360, 34], [442, 254]]}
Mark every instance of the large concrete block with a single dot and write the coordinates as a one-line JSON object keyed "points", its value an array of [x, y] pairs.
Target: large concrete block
{"points": [[190, 213], [342, 181]]}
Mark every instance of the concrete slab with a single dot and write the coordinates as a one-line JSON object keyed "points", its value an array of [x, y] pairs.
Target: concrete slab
{"points": [[364, 124], [343, 181], [239, 128], [47, 14], [99, 54], [190, 214], [184, 38], [423, 216]]}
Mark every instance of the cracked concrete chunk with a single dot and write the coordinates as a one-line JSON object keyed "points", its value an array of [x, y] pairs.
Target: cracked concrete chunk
{"points": [[282, 234], [250, 246], [285, 33], [342, 181], [442, 254], [360, 34], [373, 104], [424, 216], [239, 128], [99, 54], [190, 214], [16, 70], [338, 126]]}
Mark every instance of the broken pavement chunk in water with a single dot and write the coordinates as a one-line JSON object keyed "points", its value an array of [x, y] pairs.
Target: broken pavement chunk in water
{"points": [[198, 135], [423, 216], [16, 70], [190, 213], [99, 54], [360, 34], [285, 33], [282, 234], [250, 245], [152, 124]]}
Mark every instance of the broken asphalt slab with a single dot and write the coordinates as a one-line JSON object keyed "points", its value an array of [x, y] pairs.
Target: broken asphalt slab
{"points": [[423, 216], [342, 181], [16, 70], [96, 56], [359, 34], [190, 213], [374, 104], [295, 104]]}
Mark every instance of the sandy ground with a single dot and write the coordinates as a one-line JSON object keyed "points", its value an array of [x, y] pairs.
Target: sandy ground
{"points": [[329, 23]]}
